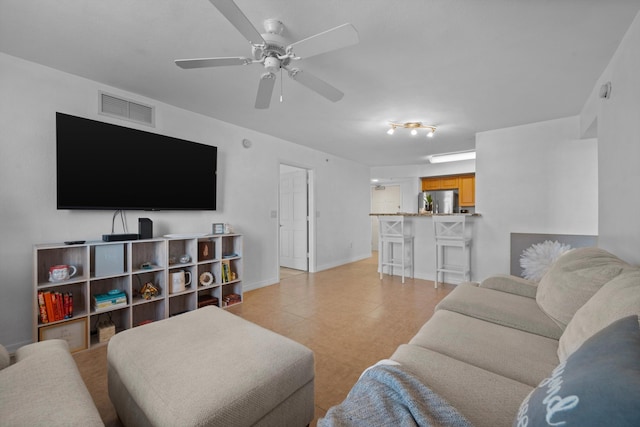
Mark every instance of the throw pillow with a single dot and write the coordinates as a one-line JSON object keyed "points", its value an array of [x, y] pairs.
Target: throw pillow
{"points": [[573, 279], [598, 385], [617, 299]]}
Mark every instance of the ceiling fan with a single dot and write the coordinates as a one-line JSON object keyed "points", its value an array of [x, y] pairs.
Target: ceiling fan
{"points": [[271, 50]]}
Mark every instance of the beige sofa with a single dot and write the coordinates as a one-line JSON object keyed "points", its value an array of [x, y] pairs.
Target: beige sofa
{"points": [[489, 345], [44, 388]]}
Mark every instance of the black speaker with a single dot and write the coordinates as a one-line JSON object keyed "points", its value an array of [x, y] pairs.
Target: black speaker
{"points": [[145, 228]]}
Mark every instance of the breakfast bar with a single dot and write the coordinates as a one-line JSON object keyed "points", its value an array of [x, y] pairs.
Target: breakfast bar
{"points": [[421, 227]]}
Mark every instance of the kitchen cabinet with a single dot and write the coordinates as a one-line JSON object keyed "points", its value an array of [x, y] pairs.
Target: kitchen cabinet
{"points": [[467, 190], [466, 185], [440, 183]]}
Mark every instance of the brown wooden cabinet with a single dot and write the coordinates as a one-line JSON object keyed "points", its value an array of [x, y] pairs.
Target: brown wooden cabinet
{"points": [[467, 190], [466, 185]]}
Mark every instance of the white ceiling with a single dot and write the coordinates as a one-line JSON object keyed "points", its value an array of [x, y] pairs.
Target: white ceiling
{"points": [[463, 65]]}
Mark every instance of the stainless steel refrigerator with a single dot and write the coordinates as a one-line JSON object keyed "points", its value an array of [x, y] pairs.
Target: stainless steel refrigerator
{"points": [[443, 201]]}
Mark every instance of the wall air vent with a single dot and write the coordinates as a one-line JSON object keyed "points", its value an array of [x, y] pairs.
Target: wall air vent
{"points": [[121, 108]]}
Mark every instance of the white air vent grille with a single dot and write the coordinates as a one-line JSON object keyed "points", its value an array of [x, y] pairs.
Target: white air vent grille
{"points": [[123, 108]]}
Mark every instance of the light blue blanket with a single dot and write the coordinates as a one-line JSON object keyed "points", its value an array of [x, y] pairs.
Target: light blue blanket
{"points": [[390, 396]]}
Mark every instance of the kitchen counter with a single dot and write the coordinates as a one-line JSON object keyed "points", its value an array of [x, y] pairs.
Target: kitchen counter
{"points": [[424, 245], [420, 214]]}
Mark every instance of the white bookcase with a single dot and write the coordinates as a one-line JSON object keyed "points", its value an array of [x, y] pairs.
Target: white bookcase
{"points": [[129, 266]]}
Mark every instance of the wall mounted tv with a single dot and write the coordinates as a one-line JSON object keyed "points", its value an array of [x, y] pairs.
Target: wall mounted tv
{"points": [[109, 167]]}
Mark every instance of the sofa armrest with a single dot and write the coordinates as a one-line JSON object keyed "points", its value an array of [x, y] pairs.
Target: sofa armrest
{"points": [[511, 284]]}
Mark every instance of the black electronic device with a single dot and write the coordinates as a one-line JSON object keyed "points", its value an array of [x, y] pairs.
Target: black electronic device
{"points": [[119, 237], [74, 242], [145, 228], [109, 167]]}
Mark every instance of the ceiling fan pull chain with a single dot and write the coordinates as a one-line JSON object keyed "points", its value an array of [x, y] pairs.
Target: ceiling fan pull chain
{"points": [[281, 84]]}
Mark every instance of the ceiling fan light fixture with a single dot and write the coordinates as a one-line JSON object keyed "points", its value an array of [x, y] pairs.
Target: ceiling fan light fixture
{"points": [[414, 126]]}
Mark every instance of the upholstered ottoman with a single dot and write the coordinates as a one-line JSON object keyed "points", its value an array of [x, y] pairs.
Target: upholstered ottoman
{"points": [[209, 367]]}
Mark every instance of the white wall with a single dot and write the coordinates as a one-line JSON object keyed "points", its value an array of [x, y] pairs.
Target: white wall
{"points": [[618, 130], [247, 187], [536, 178]]}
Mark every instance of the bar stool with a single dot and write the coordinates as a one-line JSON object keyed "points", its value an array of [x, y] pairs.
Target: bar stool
{"points": [[449, 231], [394, 230]]}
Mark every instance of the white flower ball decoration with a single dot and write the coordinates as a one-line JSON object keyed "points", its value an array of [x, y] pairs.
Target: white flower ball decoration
{"points": [[536, 260]]}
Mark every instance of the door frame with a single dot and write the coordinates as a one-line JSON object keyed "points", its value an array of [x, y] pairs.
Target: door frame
{"points": [[311, 213]]}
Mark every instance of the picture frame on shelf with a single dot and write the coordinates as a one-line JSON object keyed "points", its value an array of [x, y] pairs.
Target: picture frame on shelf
{"points": [[74, 332], [218, 228], [205, 250]]}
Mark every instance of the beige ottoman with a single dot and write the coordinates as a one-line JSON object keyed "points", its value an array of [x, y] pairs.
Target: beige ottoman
{"points": [[209, 367]]}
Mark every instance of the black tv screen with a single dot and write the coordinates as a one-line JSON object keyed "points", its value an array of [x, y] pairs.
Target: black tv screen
{"points": [[109, 167]]}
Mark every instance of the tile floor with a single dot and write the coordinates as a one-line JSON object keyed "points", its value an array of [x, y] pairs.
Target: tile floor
{"points": [[346, 315]]}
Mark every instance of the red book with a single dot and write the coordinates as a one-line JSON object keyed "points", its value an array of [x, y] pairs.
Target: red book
{"points": [[49, 305], [60, 301]]}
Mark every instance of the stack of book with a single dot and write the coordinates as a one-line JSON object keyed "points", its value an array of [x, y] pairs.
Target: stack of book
{"points": [[110, 300], [55, 306]]}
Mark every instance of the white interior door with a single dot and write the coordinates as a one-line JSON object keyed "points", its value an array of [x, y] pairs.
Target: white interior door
{"points": [[384, 199], [294, 219]]}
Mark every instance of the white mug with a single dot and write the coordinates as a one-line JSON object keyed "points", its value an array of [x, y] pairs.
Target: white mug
{"points": [[58, 273], [180, 280]]}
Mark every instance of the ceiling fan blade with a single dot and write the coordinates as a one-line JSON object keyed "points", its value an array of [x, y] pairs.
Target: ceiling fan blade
{"points": [[335, 38], [212, 62], [315, 84], [265, 90], [238, 19]]}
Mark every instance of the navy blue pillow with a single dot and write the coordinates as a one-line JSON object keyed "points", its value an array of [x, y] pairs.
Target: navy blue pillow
{"points": [[598, 385]]}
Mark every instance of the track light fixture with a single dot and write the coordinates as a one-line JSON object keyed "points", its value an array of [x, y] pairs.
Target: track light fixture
{"points": [[414, 126]]}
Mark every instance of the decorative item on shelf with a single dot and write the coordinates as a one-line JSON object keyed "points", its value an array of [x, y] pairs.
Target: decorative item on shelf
{"points": [[429, 204], [146, 265], [228, 229], [231, 299], [58, 273], [218, 228], [206, 279], [205, 250], [172, 260], [149, 291], [105, 328], [180, 279], [184, 259]]}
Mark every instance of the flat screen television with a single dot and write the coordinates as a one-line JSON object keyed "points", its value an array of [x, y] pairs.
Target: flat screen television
{"points": [[109, 167]]}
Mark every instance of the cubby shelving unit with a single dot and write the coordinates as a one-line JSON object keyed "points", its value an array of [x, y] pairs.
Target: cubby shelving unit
{"points": [[131, 265]]}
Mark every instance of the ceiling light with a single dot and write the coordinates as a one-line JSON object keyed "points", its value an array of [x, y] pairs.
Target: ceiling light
{"points": [[414, 126], [452, 157]]}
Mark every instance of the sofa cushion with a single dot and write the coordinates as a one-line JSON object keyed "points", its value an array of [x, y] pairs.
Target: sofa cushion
{"points": [[522, 356], [44, 388], [484, 398], [574, 278], [617, 299], [503, 308], [5, 358], [598, 385]]}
